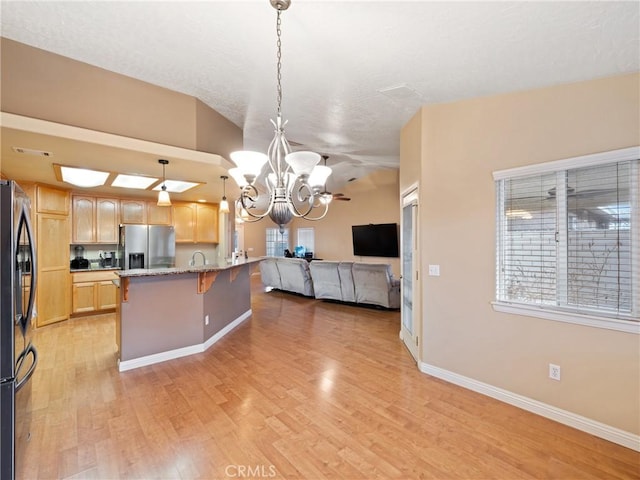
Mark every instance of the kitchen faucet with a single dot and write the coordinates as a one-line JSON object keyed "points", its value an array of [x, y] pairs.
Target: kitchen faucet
{"points": [[192, 262]]}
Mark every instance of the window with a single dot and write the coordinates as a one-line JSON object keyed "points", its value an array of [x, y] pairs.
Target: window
{"points": [[568, 239], [306, 239], [276, 242]]}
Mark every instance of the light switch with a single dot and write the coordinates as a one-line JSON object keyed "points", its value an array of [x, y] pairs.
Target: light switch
{"points": [[434, 270]]}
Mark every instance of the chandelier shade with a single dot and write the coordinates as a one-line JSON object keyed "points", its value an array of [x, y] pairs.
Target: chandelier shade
{"points": [[294, 181]]}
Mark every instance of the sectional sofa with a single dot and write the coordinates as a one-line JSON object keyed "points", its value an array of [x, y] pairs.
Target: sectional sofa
{"points": [[351, 282]]}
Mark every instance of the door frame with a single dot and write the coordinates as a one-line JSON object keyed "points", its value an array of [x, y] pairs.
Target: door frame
{"points": [[412, 339]]}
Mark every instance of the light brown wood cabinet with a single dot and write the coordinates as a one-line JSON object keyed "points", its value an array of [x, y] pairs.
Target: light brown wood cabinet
{"points": [[144, 212], [94, 219], [52, 244], [133, 211], [195, 222], [52, 241], [206, 223], [158, 215], [93, 291]]}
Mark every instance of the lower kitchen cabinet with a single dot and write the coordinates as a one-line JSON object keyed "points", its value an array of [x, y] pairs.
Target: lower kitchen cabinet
{"points": [[93, 291]]}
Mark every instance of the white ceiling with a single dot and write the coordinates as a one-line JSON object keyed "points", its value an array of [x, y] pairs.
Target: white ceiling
{"points": [[338, 58]]}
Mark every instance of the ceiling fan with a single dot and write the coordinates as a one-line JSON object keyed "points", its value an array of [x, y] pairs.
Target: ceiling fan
{"points": [[326, 193]]}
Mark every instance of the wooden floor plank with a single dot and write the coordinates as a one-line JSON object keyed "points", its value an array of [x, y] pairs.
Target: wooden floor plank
{"points": [[303, 389]]}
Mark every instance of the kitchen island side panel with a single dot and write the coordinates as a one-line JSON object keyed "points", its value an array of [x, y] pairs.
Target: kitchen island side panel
{"points": [[162, 313], [228, 299]]}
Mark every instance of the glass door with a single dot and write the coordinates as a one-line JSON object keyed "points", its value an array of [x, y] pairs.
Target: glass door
{"points": [[410, 312]]}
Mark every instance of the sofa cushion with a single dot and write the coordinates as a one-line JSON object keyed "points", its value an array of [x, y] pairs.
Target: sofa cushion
{"points": [[269, 273], [295, 276], [346, 282], [326, 280], [374, 284]]}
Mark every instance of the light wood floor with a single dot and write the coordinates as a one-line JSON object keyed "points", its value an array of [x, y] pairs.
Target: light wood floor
{"points": [[303, 389]]}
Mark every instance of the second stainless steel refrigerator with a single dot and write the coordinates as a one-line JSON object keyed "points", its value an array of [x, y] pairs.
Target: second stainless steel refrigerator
{"points": [[147, 246]]}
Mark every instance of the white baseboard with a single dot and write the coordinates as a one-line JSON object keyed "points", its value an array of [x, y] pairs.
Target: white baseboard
{"points": [[615, 435], [181, 352]]}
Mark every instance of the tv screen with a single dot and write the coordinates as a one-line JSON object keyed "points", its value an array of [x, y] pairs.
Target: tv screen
{"points": [[379, 240]]}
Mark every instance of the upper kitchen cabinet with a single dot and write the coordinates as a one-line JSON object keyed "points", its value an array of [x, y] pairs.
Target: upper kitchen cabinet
{"points": [[195, 222], [52, 200], [133, 211], [206, 223], [158, 215], [94, 220], [144, 212]]}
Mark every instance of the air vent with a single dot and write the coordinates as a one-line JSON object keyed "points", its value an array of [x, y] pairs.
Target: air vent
{"points": [[31, 151]]}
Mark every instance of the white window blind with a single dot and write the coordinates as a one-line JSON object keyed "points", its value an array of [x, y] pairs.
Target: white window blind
{"points": [[568, 240], [276, 242]]}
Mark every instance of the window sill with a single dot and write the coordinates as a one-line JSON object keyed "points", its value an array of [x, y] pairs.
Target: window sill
{"points": [[627, 326]]}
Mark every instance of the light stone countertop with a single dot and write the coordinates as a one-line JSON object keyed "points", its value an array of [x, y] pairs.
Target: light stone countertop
{"points": [[211, 267]]}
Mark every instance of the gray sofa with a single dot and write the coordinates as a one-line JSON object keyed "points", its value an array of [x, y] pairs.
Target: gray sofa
{"points": [[288, 274], [367, 283], [352, 282]]}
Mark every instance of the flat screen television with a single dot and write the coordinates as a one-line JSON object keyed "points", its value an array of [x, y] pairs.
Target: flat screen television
{"points": [[379, 240]]}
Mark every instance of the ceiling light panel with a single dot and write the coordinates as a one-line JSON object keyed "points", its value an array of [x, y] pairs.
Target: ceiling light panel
{"points": [[177, 186], [82, 177], [133, 181]]}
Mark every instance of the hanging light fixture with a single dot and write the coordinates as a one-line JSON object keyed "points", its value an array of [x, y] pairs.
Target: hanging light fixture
{"points": [[295, 182], [163, 195], [224, 205]]}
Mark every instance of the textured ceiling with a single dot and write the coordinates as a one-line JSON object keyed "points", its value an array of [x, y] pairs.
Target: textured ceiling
{"points": [[353, 72]]}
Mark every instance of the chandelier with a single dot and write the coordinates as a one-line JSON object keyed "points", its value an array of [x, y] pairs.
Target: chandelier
{"points": [[295, 183]]}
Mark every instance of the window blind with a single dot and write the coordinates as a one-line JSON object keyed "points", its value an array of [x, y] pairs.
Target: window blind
{"points": [[568, 239]]}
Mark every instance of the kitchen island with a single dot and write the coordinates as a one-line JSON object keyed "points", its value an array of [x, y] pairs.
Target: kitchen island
{"points": [[167, 313]]}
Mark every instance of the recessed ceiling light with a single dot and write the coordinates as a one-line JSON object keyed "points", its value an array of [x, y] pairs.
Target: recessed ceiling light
{"points": [[133, 181], [177, 186], [82, 177]]}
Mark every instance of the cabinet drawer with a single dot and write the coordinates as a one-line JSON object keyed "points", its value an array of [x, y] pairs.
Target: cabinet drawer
{"points": [[93, 276]]}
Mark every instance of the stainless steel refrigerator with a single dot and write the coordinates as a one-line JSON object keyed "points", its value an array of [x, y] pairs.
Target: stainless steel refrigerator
{"points": [[18, 356], [147, 246]]}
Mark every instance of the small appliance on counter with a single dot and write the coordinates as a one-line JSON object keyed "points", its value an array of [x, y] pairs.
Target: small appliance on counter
{"points": [[79, 262], [109, 260]]}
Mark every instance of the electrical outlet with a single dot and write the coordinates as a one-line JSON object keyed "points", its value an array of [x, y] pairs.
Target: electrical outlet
{"points": [[554, 372], [206, 319]]}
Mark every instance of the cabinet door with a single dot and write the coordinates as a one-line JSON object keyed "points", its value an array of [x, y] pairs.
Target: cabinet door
{"points": [[107, 220], [83, 228], [53, 299], [133, 211], [106, 295], [206, 223], [184, 221], [84, 297], [52, 200], [158, 215]]}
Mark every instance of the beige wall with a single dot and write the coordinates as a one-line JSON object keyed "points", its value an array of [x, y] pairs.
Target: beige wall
{"points": [[40, 84], [374, 199], [462, 143]]}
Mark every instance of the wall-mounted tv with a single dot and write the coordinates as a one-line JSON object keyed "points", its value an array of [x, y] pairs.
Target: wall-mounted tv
{"points": [[379, 240]]}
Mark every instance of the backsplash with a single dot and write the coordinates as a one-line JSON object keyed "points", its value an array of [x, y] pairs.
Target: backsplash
{"points": [[92, 252]]}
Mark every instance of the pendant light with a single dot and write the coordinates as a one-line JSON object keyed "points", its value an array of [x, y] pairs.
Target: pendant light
{"points": [[163, 195], [224, 205]]}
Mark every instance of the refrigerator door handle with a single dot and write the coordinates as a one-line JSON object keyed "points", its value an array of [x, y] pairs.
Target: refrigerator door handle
{"points": [[30, 350], [24, 221]]}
